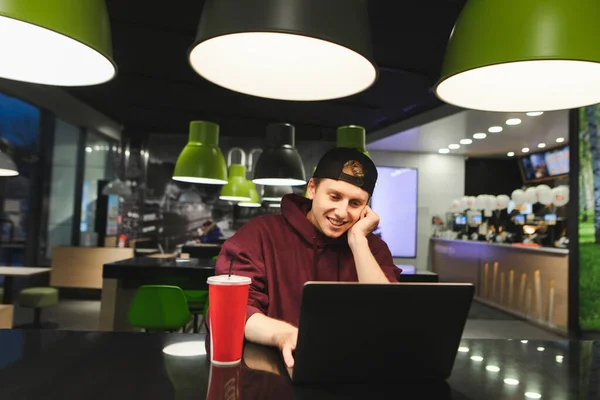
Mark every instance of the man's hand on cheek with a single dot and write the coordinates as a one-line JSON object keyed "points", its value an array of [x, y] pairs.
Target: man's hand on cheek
{"points": [[366, 224]]}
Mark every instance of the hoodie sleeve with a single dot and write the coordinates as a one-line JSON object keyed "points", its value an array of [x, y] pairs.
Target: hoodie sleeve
{"points": [[245, 249], [383, 256]]}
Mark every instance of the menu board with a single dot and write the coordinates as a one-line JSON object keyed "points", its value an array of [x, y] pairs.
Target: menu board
{"points": [[545, 165]]}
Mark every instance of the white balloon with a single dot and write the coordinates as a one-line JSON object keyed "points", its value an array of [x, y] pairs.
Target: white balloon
{"points": [[560, 196], [463, 203], [502, 201], [490, 202], [518, 196], [479, 202], [530, 195], [471, 202], [543, 194], [455, 206]]}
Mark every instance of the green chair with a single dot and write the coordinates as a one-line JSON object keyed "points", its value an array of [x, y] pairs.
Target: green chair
{"points": [[159, 308], [37, 298], [198, 305]]}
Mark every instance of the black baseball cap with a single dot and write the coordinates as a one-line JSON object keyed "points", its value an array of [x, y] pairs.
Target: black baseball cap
{"points": [[331, 166]]}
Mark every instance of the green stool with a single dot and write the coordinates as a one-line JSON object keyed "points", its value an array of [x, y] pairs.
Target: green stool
{"points": [[37, 298], [198, 305], [159, 308], [1, 294]]}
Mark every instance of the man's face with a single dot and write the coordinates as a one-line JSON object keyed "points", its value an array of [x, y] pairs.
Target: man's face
{"points": [[336, 206]]}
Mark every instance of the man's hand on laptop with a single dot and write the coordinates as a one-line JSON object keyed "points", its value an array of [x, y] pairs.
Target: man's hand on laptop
{"points": [[271, 332], [286, 341]]}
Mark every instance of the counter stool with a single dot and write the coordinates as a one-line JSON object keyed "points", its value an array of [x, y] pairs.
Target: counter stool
{"points": [[1, 294], [37, 298], [198, 305], [159, 308]]}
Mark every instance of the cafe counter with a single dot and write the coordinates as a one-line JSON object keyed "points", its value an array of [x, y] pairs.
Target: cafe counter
{"points": [[528, 282]]}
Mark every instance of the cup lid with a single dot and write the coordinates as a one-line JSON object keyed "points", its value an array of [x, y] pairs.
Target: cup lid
{"points": [[228, 280]]}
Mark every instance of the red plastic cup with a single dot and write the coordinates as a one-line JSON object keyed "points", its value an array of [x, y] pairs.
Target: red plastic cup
{"points": [[224, 382], [228, 298]]}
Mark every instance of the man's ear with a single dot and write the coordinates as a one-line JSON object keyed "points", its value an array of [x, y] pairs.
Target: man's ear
{"points": [[311, 188]]}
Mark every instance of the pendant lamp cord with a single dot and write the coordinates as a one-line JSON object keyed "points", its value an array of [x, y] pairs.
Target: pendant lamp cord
{"points": [[242, 156], [250, 160]]}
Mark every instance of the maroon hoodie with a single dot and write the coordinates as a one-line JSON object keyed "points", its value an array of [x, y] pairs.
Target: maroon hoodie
{"points": [[281, 252]]}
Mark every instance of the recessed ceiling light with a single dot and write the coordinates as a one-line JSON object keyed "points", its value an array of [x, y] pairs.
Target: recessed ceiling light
{"points": [[443, 151], [541, 145], [533, 395], [525, 149], [535, 113], [495, 129], [454, 146], [466, 141], [511, 381], [513, 121], [524, 341], [477, 358], [510, 153], [492, 368], [479, 136], [463, 349], [540, 349], [560, 140]]}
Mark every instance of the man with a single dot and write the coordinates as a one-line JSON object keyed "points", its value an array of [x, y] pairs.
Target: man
{"points": [[210, 233], [326, 237]]}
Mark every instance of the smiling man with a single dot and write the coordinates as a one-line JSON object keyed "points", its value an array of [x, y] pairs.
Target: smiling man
{"points": [[326, 237]]}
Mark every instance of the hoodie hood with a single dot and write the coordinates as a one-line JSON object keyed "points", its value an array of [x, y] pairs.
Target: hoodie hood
{"points": [[294, 209]]}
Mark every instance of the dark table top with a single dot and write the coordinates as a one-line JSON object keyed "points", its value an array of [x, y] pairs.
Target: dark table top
{"points": [[118, 365], [147, 267], [164, 262]]}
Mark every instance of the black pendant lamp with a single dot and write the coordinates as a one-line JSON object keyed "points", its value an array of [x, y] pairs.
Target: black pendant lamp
{"points": [[279, 163], [276, 193], [299, 50]]}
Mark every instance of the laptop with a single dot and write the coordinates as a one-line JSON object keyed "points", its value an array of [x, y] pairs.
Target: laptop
{"points": [[361, 333]]}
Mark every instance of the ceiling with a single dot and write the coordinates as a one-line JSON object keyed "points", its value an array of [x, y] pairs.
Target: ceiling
{"points": [[431, 137], [156, 91]]}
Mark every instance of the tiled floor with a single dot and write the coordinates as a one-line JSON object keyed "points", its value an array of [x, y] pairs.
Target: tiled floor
{"points": [[484, 322]]}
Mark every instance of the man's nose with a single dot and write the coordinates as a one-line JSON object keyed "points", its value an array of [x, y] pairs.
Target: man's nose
{"points": [[341, 211]]}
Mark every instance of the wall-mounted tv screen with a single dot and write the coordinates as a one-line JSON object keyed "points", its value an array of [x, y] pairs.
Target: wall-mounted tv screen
{"points": [[395, 201], [545, 165]]}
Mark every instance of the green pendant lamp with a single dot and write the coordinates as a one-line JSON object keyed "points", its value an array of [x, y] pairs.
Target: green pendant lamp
{"points": [[523, 55], [238, 187], [56, 42], [201, 160], [301, 50], [254, 197], [352, 136]]}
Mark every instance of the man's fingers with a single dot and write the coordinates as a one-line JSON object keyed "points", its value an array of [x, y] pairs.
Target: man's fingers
{"points": [[287, 356]]}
